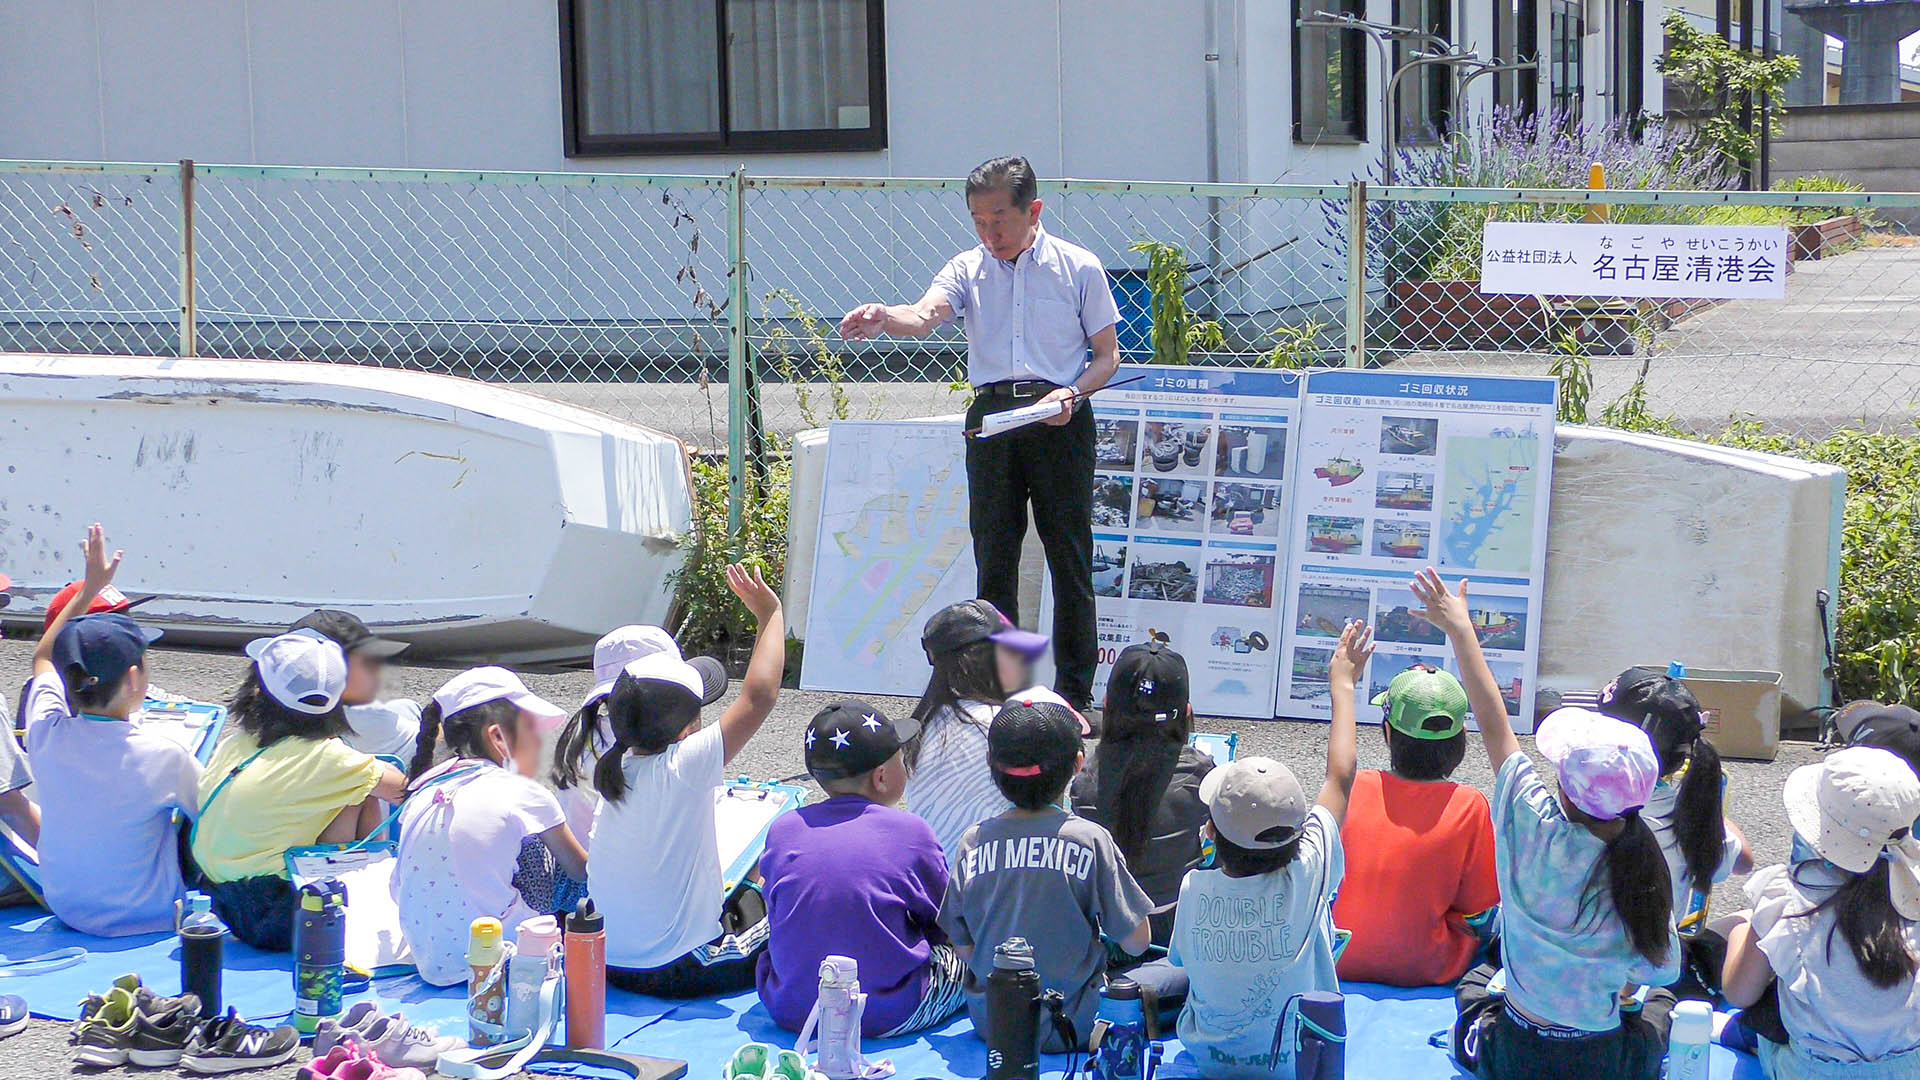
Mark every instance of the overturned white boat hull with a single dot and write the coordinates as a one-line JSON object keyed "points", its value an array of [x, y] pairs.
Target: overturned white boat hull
{"points": [[466, 518]]}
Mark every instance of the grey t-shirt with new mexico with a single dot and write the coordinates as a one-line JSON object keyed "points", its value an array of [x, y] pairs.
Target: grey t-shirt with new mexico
{"points": [[1056, 880]]}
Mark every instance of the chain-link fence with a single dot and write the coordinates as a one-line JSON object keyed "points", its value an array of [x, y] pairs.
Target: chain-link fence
{"points": [[708, 305]]}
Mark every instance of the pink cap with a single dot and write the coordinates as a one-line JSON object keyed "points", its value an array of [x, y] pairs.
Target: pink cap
{"points": [[1607, 767]]}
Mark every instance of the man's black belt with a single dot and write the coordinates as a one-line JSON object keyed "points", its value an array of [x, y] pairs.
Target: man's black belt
{"points": [[1017, 388]]}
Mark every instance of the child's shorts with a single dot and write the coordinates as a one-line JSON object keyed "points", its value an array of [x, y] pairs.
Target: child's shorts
{"points": [[542, 884], [945, 995], [258, 910], [724, 965], [1493, 1042]]}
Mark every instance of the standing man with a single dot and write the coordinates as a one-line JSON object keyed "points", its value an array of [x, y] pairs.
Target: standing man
{"points": [[1034, 306]]}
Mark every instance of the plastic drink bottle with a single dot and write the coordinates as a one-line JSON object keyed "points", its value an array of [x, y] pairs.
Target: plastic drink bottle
{"points": [[319, 954], [1320, 1036], [836, 1019], [203, 939], [1013, 1013], [1121, 1004], [486, 982], [1676, 670], [535, 953], [586, 986], [1688, 1041]]}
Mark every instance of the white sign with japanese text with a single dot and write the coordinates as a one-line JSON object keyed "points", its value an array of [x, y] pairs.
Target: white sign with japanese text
{"points": [[1706, 262]]}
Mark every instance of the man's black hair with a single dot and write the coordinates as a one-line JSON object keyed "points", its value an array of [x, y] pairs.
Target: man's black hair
{"points": [[1009, 174]]}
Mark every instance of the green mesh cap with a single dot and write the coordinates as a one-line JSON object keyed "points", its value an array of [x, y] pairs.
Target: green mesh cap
{"points": [[1421, 692]]}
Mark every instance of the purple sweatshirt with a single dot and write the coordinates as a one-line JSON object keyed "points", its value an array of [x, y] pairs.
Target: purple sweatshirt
{"points": [[850, 877]]}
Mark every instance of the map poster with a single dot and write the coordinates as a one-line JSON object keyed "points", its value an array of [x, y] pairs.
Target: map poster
{"points": [[1398, 471], [894, 548], [1190, 506]]}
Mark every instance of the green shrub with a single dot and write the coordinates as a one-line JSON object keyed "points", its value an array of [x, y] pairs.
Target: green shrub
{"points": [[709, 619]]}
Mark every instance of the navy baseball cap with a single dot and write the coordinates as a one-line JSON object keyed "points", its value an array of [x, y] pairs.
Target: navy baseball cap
{"points": [[852, 738], [104, 646], [957, 626]]}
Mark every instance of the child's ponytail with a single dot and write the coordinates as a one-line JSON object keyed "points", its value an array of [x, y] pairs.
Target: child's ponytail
{"points": [[1699, 823], [426, 741], [574, 745], [1639, 885], [609, 778]]}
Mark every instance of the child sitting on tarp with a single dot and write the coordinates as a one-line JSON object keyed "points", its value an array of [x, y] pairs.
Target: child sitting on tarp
{"points": [[655, 871], [1143, 782], [1420, 879], [1837, 931], [385, 728], [1258, 929], [1586, 906], [978, 658], [283, 780], [1040, 873], [586, 735], [478, 835], [1701, 844], [109, 849], [855, 876]]}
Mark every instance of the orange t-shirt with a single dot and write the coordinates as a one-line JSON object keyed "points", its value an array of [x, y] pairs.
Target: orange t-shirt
{"points": [[1419, 861]]}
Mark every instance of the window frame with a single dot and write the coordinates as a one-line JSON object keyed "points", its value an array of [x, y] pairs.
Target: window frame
{"points": [[1576, 91], [1526, 29], [1353, 91], [579, 144], [1434, 81]]}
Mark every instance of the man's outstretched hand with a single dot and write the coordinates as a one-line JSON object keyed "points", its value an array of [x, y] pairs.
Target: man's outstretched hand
{"points": [[864, 323]]}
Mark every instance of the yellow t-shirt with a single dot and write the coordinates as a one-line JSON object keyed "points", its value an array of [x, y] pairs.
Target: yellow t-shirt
{"points": [[282, 800]]}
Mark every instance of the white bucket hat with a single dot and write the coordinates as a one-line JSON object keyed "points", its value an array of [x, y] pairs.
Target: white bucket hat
{"points": [[1858, 806]]}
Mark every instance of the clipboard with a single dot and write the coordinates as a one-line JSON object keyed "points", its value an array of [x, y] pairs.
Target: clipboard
{"points": [[1222, 748], [743, 811]]}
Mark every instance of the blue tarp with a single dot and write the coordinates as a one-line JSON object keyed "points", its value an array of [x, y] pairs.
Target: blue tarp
{"points": [[1388, 1028]]}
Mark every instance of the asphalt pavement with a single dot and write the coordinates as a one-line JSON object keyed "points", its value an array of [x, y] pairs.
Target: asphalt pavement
{"points": [[1753, 790]]}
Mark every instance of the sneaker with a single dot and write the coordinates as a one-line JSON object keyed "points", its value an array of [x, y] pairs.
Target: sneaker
{"points": [[789, 1065], [331, 1033], [367, 1068], [753, 1061], [401, 1045], [160, 1037], [331, 1064], [232, 1045], [13, 1015], [108, 1032], [94, 1002]]}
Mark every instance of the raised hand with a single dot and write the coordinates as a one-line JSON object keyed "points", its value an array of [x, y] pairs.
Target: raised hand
{"points": [[100, 566], [1351, 655], [1447, 611], [753, 591]]}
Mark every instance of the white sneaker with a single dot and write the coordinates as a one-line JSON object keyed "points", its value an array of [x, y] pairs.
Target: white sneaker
{"points": [[400, 1045]]}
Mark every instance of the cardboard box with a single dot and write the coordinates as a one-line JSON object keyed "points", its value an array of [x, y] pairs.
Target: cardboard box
{"points": [[1742, 711]]}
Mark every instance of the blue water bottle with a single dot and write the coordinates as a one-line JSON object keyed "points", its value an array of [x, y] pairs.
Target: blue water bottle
{"points": [[319, 954]]}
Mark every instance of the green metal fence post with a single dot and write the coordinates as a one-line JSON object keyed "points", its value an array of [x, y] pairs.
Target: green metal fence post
{"points": [[189, 317], [737, 417], [1357, 274]]}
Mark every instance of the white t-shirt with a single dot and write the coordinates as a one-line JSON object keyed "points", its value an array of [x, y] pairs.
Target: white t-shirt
{"points": [[389, 728], [951, 786], [1658, 814], [1249, 944], [581, 801], [1826, 1004], [109, 852], [1565, 964], [460, 836], [655, 872]]}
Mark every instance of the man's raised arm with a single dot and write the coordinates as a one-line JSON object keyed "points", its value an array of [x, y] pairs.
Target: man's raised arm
{"points": [[869, 321]]}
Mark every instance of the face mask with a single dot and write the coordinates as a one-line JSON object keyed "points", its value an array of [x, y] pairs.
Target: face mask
{"points": [[1801, 851]]}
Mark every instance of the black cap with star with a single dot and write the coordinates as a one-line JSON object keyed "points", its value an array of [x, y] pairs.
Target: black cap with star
{"points": [[852, 738]]}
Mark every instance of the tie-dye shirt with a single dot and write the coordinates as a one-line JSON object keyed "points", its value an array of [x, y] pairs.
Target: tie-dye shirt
{"points": [[1564, 966]]}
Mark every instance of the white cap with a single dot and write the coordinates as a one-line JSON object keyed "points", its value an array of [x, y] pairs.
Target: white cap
{"points": [[477, 686], [620, 647], [303, 670], [661, 667], [1852, 806]]}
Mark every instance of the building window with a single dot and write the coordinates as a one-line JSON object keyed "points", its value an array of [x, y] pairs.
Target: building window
{"points": [[696, 76], [1329, 77], [1630, 56], [1516, 39], [1425, 100], [1567, 72]]}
